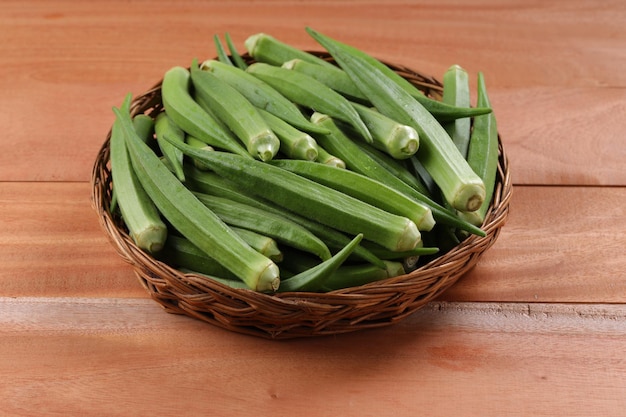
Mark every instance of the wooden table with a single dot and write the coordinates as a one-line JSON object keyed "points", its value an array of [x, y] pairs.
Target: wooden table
{"points": [[538, 328]]}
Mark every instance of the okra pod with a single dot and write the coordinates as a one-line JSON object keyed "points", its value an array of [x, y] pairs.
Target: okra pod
{"points": [[356, 275], [139, 213], [310, 93], [192, 218], [261, 94], [187, 114], [482, 154], [294, 143], [395, 139], [236, 112], [364, 188], [248, 217], [163, 125], [316, 277], [312, 200], [456, 92], [265, 48], [459, 183]]}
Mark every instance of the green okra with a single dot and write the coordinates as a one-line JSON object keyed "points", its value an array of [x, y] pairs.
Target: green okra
{"points": [[349, 151], [355, 275], [164, 126], [261, 94], [482, 154], [323, 157], [237, 112], [144, 126], [310, 93], [192, 218], [265, 48], [187, 114], [234, 53], [316, 277], [462, 188], [332, 76], [395, 139], [244, 216], [364, 188], [222, 55], [456, 92], [139, 213], [294, 143], [312, 200]]}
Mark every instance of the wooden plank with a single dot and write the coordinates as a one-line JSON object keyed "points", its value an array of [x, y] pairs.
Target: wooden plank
{"points": [[560, 244], [556, 99], [94, 357], [52, 244]]}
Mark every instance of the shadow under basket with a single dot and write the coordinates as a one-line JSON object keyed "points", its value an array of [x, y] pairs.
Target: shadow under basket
{"points": [[301, 314]]}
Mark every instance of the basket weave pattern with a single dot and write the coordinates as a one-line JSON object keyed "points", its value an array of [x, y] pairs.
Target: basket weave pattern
{"points": [[290, 315]]}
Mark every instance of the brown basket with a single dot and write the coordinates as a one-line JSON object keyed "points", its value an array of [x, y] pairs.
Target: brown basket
{"points": [[290, 315]]}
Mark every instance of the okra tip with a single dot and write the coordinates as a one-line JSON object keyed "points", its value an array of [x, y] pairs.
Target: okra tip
{"points": [[469, 197], [269, 280]]}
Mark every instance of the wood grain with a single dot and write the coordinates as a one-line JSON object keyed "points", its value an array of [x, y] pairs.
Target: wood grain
{"points": [[538, 328], [550, 69], [94, 357], [560, 244]]}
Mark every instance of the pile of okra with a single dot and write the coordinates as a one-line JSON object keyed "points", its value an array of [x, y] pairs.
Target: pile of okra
{"points": [[289, 172]]}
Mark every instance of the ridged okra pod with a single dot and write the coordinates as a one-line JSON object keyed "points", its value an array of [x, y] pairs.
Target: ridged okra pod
{"points": [[310, 93], [192, 218], [139, 213], [187, 114], [462, 188], [237, 112], [261, 94], [312, 200]]}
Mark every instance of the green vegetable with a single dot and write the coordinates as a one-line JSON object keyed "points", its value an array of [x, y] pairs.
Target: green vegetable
{"points": [[316, 277], [397, 167], [364, 188], [139, 213], [181, 253], [463, 189], [197, 143], [187, 114], [310, 93], [192, 218], [312, 200], [265, 48], [252, 218], [261, 94], [213, 184], [456, 92], [349, 151], [355, 275], [397, 140], [262, 244], [144, 126], [294, 143], [323, 157], [164, 126], [236, 112], [482, 154], [331, 76]]}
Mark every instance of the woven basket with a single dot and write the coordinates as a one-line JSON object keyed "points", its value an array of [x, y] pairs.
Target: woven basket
{"points": [[290, 315]]}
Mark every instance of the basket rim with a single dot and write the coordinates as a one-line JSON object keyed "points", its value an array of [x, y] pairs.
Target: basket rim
{"points": [[455, 262]]}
